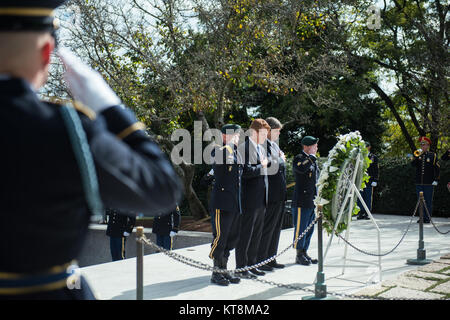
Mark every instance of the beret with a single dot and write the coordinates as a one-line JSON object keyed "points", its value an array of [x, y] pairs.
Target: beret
{"points": [[230, 127], [309, 141]]}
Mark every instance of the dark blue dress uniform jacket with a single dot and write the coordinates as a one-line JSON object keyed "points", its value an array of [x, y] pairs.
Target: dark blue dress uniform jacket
{"points": [[225, 194], [118, 223], [306, 173], [44, 214], [162, 225], [427, 168], [373, 170]]}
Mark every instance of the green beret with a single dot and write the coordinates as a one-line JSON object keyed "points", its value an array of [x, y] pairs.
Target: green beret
{"points": [[230, 127], [367, 143], [309, 141]]}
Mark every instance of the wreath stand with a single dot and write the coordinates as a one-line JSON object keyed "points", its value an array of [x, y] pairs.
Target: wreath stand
{"points": [[349, 196]]}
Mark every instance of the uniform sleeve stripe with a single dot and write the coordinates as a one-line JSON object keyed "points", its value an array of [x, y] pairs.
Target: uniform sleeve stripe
{"points": [[127, 131]]}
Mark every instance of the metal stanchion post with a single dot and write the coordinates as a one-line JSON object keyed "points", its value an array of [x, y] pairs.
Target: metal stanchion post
{"points": [[139, 264], [320, 289], [421, 252]]}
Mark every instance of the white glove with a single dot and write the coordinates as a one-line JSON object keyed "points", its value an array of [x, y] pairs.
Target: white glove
{"points": [[86, 84], [374, 184], [435, 183], [172, 234], [125, 234]]}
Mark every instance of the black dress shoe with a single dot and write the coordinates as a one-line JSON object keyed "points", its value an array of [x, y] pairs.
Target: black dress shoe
{"points": [[245, 275], [302, 259], [257, 272], [266, 267], [219, 279], [313, 261], [231, 278], [276, 265]]}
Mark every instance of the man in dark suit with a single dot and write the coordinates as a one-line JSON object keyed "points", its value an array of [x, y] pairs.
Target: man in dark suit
{"points": [[367, 193], [306, 171], [254, 197], [64, 162], [120, 226], [277, 197], [225, 202]]}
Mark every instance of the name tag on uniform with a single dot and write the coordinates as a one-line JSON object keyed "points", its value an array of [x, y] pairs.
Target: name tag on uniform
{"points": [[230, 168]]}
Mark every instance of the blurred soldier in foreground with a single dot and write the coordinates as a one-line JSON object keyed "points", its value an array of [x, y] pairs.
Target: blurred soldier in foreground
{"points": [[427, 174], [58, 164]]}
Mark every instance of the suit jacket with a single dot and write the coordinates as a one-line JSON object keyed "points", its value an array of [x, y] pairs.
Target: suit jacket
{"points": [[306, 173], [277, 181], [253, 178], [42, 184], [162, 225], [118, 223], [225, 194]]}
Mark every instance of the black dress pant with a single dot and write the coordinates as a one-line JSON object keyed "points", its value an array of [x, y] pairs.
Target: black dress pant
{"points": [[225, 225], [252, 222], [271, 231]]}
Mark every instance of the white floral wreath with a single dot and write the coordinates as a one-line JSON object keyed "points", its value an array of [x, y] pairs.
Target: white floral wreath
{"points": [[330, 173]]}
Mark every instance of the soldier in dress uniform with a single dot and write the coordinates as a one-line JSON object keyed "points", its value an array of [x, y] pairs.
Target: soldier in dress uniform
{"points": [[61, 163], [427, 174], [306, 171], [166, 228], [367, 193], [225, 202], [120, 226]]}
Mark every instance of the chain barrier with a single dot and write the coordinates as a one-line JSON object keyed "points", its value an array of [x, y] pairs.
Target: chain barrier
{"points": [[201, 265], [206, 267], [388, 252], [426, 209]]}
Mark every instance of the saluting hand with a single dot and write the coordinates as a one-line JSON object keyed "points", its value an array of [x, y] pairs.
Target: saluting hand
{"points": [[86, 84]]}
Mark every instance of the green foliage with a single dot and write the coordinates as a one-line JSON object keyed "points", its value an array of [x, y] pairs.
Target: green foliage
{"points": [[396, 191]]}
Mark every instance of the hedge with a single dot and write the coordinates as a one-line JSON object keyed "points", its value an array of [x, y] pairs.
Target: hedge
{"points": [[396, 190]]}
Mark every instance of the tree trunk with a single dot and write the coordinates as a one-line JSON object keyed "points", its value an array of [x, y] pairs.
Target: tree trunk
{"points": [[400, 122], [186, 173], [197, 209]]}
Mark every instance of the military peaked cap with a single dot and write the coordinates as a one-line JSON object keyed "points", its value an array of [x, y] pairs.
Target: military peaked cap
{"points": [[28, 15]]}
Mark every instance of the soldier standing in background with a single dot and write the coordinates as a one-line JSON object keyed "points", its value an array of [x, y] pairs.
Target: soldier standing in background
{"points": [[120, 226], [427, 174], [166, 228], [367, 193]]}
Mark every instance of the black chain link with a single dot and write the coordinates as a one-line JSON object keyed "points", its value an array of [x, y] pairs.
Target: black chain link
{"points": [[426, 209]]}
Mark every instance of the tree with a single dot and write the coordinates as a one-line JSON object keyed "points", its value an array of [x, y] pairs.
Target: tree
{"points": [[410, 49]]}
